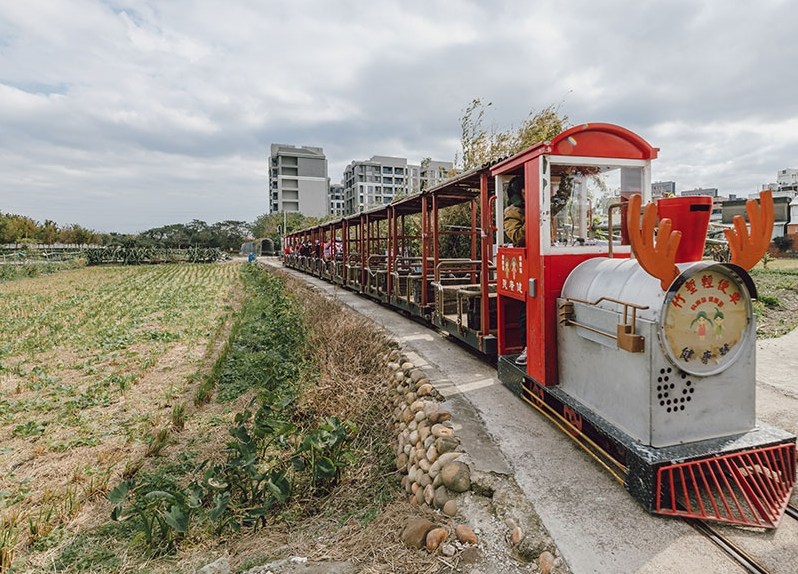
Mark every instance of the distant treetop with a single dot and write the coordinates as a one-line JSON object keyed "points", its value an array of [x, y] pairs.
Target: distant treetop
{"points": [[482, 145]]}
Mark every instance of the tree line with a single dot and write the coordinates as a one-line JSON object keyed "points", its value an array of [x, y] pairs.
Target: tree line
{"points": [[20, 230]]}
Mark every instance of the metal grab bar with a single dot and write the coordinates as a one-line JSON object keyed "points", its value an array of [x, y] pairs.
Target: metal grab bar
{"points": [[454, 266], [612, 206], [625, 331]]}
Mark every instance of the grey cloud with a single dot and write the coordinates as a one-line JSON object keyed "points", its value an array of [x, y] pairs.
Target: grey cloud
{"points": [[123, 115]]}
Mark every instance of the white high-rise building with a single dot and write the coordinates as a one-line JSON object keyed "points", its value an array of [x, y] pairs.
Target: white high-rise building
{"points": [[336, 199], [377, 181], [434, 172], [374, 182], [298, 180]]}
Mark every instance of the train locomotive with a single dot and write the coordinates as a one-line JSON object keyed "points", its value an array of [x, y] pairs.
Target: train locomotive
{"points": [[638, 349]]}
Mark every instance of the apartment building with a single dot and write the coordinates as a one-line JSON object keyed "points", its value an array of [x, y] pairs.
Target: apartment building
{"points": [[298, 180], [375, 181], [663, 189], [335, 200], [432, 173]]}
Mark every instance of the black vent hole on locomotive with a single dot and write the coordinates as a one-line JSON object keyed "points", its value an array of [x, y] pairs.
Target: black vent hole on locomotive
{"points": [[674, 390]]}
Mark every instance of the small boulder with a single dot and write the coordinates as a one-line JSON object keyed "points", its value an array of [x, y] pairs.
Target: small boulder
{"points": [[465, 534], [438, 431], [435, 537], [401, 462], [546, 562], [450, 508], [220, 566], [441, 496], [448, 457], [446, 444], [415, 532], [423, 433], [517, 535], [424, 480], [471, 555], [424, 390], [416, 375], [429, 493], [456, 476], [439, 416], [448, 550]]}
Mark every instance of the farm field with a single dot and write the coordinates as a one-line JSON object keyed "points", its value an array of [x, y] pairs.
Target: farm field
{"points": [[156, 417], [92, 363], [777, 303]]}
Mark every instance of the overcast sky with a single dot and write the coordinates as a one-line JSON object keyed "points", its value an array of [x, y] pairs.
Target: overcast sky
{"points": [[123, 115]]}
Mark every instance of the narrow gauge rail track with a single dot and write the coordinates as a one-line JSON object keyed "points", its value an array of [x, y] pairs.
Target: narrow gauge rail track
{"points": [[618, 471], [732, 549], [726, 545]]}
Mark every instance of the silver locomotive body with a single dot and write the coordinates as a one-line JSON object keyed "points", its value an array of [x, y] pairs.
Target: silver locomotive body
{"points": [[664, 367]]}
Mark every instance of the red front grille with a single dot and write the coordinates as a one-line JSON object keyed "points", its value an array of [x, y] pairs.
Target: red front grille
{"points": [[750, 488]]}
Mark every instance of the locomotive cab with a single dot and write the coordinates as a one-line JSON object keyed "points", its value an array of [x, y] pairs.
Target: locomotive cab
{"points": [[574, 189]]}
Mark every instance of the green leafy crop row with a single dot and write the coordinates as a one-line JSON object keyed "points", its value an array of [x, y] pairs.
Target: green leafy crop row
{"points": [[269, 457]]}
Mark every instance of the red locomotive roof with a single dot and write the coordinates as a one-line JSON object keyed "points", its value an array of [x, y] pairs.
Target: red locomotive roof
{"points": [[585, 140]]}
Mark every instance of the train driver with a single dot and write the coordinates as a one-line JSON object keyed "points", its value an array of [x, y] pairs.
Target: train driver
{"points": [[514, 228]]}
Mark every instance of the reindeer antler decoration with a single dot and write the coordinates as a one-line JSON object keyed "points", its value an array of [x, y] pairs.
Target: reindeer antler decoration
{"points": [[656, 259], [747, 250]]}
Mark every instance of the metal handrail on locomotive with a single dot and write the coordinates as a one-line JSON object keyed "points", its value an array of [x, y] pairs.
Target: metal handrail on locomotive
{"points": [[644, 353]]}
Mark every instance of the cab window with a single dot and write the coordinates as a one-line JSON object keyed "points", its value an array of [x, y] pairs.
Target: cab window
{"points": [[579, 200]]}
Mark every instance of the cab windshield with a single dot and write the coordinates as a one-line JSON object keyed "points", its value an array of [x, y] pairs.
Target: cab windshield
{"points": [[580, 198]]}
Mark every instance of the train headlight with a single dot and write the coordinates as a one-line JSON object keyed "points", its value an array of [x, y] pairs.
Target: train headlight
{"points": [[707, 318]]}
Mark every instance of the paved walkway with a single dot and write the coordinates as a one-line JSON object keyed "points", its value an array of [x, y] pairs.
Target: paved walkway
{"points": [[777, 363]]}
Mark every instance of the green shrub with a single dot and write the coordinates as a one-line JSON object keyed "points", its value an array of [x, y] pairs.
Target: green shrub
{"points": [[783, 242], [768, 300]]}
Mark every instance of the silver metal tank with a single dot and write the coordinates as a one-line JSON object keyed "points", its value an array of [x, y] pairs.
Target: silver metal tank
{"points": [[695, 376]]}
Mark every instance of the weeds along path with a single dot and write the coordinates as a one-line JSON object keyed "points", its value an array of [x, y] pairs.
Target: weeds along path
{"points": [[91, 361]]}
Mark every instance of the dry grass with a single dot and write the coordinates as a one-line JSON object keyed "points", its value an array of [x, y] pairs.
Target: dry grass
{"points": [[375, 549]]}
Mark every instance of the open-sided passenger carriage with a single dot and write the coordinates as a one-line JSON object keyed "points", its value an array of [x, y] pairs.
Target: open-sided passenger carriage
{"points": [[395, 254]]}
